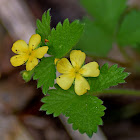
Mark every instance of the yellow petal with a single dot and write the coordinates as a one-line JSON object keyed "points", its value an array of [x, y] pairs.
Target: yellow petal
{"points": [[81, 85], [18, 60], [77, 58], [31, 63], [90, 70], [64, 66], [65, 81], [20, 47], [40, 52], [56, 60], [34, 41]]}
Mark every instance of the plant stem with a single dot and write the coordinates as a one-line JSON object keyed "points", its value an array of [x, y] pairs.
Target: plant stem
{"points": [[113, 61], [130, 110], [125, 55], [125, 112], [119, 92]]}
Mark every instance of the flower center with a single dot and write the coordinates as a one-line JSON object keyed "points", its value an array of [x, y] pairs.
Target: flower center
{"points": [[30, 52], [76, 70]]}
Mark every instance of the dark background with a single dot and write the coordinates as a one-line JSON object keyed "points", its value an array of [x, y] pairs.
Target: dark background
{"points": [[20, 118]]}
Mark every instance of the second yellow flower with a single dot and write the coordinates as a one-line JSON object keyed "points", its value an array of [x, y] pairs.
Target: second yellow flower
{"points": [[76, 71]]}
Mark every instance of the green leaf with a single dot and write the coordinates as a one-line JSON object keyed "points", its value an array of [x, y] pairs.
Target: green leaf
{"points": [[108, 77], [64, 37], [45, 72], [95, 41], [84, 111], [106, 12], [129, 33], [43, 28]]}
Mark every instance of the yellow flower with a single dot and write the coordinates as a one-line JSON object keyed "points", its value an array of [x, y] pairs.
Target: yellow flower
{"points": [[28, 53], [56, 60], [76, 71]]}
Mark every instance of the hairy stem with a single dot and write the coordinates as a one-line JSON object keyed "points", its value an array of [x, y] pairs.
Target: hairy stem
{"points": [[113, 61], [125, 55], [119, 92]]}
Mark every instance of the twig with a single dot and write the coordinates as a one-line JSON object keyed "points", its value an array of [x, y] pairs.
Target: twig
{"points": [[118, 92], [113, 61]]}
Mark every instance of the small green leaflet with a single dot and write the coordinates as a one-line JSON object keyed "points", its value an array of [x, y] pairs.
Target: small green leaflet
{"points": [[95, 41], [64, 37], [108, 77], [106, 12], [45, 72], [84, 111], [129, 33], [43, 28]]}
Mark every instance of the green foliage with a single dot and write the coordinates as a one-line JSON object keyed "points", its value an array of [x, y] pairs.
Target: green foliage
{"points": [[108, 77], [95, 41], [27, 75], [129, 33], [64, 37], [84, 111], [45, 72], [43, 28], [100, 34], [106, 12]]}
